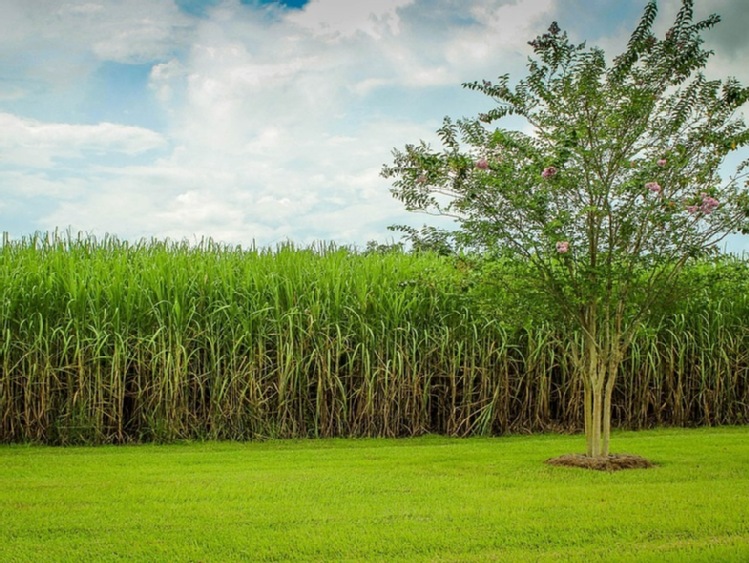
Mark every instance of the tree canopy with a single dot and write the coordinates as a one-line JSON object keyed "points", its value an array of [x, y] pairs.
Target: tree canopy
{"points": [[613, 185]]}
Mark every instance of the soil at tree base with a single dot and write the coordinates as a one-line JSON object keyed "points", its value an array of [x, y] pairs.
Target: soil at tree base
{"points": [[612, 462]]}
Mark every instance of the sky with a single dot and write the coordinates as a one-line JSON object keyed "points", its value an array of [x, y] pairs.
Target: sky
{"points": [[260, 121]]}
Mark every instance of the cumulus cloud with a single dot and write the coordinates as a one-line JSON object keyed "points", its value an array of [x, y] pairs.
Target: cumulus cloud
{"points": [[276, 122], [127, 32], [302, 110], [27, 142], [337, 19], [50, 50]]}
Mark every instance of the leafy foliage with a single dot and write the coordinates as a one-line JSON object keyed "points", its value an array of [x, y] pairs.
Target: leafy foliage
{"points": [[614, 188]]}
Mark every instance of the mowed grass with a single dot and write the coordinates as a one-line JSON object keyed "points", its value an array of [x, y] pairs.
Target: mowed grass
{"points": [[418, 499]]}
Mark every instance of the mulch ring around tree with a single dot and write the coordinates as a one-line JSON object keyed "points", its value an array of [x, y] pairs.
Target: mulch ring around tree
{"points": [[612, 462]]}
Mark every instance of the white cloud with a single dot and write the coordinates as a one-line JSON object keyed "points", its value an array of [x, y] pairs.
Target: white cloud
{"points": [[127, 32], [26, 142], [276, 121], [513, 23], [164, 78], [279, 121], [337, 19], [37, 184]]}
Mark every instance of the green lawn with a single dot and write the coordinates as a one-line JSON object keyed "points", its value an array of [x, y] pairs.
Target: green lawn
{"points": [[426, 499]]}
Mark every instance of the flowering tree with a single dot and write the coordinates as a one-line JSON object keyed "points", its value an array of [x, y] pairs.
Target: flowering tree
{"points": [[612, 191]]}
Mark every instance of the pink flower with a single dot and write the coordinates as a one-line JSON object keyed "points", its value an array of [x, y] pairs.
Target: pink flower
{"points": [[661, 162], [549, 172], [482, 164], [563, 247], [708, 204], [654, 187], [693, 208]]}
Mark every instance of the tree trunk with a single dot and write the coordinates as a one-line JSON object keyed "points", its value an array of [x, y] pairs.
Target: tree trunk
{"points": [[599, 366], [588, 398], [612, 370]]}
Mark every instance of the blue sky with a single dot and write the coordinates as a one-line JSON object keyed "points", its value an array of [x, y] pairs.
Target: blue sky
{"points": [[249, 120]]}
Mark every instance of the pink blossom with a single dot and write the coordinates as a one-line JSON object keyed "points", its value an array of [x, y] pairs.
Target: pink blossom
{"points": [[653, 187], [661, 162], [693, 208], [563, 247], [482, 164], [708, 204], [549, 172]]}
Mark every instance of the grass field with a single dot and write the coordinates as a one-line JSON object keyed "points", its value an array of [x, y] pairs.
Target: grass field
{"points": [[420, 499]]}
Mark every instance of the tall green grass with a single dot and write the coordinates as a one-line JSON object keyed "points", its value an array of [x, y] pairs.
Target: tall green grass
{"points": [[104, 341]]}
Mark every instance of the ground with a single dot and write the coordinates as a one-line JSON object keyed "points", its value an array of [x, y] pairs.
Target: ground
{"points": [[612, 462]]}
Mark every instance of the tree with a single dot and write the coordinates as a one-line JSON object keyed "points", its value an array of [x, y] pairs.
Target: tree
{"points": [[613, 191]]}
